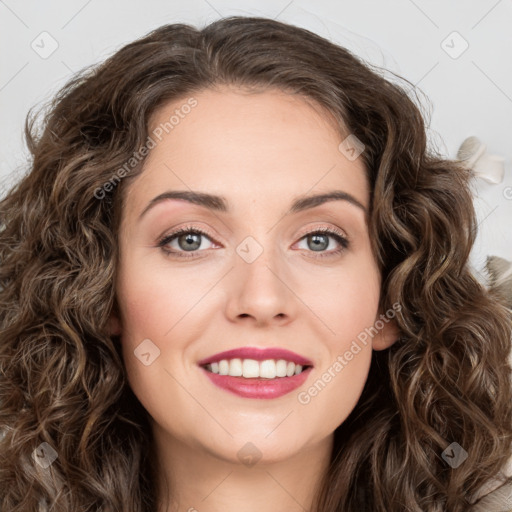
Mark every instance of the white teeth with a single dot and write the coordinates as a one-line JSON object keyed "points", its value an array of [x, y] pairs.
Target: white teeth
{"points": [[235, 368], [252, 369], [281, 368], [223, 367], [268, 369]]}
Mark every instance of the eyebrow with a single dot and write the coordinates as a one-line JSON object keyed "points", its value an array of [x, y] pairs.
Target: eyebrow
{"points": [[220, 204]]}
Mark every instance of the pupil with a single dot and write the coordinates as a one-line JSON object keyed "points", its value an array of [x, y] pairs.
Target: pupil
{"points": [[189, 238], [323, 245]]}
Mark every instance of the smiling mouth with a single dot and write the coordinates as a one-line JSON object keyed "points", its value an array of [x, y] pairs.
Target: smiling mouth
{"points": [[253, 369]]}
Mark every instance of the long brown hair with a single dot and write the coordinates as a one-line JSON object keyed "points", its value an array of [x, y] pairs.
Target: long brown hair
{"points": [[62, 380]]}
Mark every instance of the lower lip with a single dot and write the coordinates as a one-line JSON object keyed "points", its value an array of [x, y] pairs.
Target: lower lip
{"points": [[258, 388]]}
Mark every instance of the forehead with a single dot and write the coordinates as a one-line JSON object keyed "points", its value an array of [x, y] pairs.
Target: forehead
{"points": [[252, 145]]}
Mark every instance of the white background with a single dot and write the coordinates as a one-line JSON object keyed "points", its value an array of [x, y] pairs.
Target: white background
{"points": [[469, 95]]}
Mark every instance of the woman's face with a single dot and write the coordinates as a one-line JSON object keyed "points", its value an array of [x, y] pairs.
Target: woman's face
{"points": [[257, 279]]}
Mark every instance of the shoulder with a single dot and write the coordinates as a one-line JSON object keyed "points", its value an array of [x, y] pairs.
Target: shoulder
{"points": [[499, 499]]}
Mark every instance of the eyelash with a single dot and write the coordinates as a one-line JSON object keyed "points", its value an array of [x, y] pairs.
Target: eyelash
{"points": [[337, 235]]}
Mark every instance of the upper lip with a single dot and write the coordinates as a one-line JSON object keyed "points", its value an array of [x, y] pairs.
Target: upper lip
{"points": [[259, 354]]}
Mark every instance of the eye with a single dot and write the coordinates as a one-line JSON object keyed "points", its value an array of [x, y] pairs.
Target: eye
{"points": [[319, 240], [188, 240]]}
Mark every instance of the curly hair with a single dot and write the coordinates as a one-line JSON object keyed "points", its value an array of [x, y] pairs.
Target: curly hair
{"points": [[62, 379]]}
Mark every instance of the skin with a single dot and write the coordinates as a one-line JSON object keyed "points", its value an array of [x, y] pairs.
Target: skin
{"points": [[259, 151]]}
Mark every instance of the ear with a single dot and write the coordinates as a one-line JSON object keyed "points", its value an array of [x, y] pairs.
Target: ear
{"points": [[114, 323], [388, 332]]}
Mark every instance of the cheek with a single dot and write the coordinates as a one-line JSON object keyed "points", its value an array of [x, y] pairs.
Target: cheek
{"points": [[160, 313], [348, 307], [154, 299], [337, 385], [347, 301]]}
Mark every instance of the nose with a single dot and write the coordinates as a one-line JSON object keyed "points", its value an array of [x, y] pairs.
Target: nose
{"points": [[260, 291]]}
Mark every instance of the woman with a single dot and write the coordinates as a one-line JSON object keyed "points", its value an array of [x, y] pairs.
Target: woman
{"points": [[236, 278]]}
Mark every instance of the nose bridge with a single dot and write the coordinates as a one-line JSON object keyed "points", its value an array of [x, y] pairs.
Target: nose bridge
{"points": [[258, 260], [259, 280], [259, 244]]}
